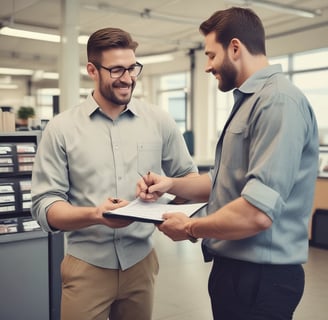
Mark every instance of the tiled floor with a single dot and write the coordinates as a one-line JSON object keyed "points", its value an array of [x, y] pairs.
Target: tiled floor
{"points": [[181, 290]]}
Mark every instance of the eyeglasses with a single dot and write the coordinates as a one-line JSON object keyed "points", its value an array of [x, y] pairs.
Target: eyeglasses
{"points": [[117, 72]]}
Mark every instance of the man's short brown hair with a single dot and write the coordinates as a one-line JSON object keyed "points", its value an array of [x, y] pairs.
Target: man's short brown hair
{"points": [[108, 38]]}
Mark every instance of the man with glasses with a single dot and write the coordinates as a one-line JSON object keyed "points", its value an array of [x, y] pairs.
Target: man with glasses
{"points": [[89, 159]]}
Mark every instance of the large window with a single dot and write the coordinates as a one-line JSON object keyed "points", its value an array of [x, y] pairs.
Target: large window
{"points": [[310, 74], [315, 87], [173, 97], [310, 60]]}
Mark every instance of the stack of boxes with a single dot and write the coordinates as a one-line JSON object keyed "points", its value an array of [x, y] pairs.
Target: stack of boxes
{"points": [[7, 119]]}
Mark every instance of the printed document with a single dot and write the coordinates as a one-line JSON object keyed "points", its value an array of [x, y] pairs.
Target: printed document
{"points": [[152, 211]]}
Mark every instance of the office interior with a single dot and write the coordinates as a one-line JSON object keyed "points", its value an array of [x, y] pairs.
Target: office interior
{"points": [[49, 75]]}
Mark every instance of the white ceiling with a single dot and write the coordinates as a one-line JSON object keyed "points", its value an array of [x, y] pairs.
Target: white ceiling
{"points": [[285, 32]]}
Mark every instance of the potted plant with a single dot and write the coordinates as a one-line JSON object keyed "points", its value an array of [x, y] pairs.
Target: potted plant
{"points": [[24, 113]]}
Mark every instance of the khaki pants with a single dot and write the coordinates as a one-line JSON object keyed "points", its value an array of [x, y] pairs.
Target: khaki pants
{"points": [[93, 293]]}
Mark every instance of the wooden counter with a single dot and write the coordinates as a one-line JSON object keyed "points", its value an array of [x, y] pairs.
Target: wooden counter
{"points": [[320, 198]]}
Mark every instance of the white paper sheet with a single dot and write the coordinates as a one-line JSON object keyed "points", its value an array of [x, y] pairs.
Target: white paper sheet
{"points": [[152, 211]]}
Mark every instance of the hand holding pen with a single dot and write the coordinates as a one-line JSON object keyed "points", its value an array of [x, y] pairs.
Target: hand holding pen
{"points": [[152, 186], [110, 204], [143, 186]]}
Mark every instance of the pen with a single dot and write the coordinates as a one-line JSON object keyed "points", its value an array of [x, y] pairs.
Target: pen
{"points": [[142, 176], [148, 173], [114, 200]]}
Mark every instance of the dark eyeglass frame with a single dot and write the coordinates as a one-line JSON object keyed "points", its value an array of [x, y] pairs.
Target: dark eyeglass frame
{"points": [[123, 70]]}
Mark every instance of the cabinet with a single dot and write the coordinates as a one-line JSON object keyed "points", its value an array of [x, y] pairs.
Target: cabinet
{"points": [[320, 199], [30, 258]]}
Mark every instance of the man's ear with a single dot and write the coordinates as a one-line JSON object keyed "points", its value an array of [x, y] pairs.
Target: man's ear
{"points": [[235, 46], [92, 70]]}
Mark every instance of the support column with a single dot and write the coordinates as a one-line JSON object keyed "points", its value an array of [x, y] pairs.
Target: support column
{"points": [[69, 76], [202, 111]]}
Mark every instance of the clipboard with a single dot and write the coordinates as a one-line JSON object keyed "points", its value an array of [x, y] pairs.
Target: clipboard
{"points": [[152, 212]]}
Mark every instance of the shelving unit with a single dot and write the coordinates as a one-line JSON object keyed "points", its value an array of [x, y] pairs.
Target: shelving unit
{"points": [[30, 258]]}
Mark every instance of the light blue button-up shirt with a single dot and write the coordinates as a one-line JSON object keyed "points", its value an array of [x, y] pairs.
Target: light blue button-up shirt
{"points": [[85, 157], [268, 155]]}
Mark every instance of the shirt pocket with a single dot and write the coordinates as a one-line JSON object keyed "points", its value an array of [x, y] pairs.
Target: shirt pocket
{"points": [[149, 157], [234, 149]]}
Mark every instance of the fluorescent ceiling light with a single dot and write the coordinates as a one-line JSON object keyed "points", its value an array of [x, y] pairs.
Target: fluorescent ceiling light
{"points": [[56, 91], [16, 71], [35, 35], [83, 39], [280, 7], [40, 75], [158, 58], [36, 74], [13, 32], [51, 75], [8, 86]]}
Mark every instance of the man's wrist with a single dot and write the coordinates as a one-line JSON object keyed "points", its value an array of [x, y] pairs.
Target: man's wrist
{"points": [[190, 233]]}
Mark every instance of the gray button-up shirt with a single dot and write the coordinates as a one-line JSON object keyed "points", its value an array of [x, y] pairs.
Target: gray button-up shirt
{"points": [[85, 157], [268, 154]]}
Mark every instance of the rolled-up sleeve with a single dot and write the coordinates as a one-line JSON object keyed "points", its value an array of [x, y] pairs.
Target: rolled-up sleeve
{"points": [[49, 178], [262, 197]]}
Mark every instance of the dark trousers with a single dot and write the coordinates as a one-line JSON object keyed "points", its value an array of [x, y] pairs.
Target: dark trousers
{"points": [[242, 290]]}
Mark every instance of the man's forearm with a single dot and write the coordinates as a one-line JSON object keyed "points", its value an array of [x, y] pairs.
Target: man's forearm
{"points": [[192, 187], [63, 216]]}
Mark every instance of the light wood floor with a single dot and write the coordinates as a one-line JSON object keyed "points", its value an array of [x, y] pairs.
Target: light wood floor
{"points": [[181, 289]]}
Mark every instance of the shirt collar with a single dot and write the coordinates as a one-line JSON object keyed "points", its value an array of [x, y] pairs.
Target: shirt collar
{"points": [[258, 79], [92, 106]]}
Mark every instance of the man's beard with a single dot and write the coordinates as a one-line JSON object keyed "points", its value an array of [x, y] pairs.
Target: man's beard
{"points": [[228, 75], [108, 92]]}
